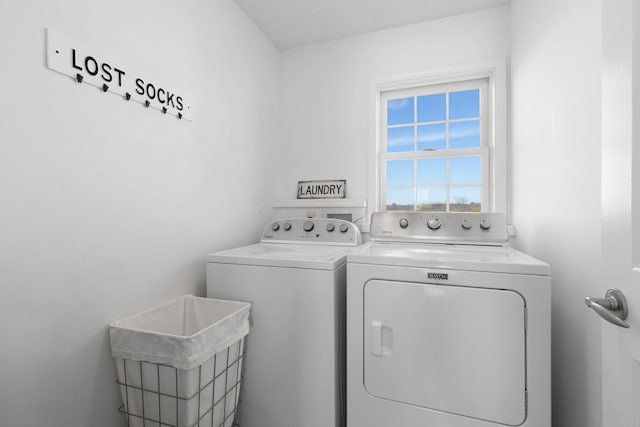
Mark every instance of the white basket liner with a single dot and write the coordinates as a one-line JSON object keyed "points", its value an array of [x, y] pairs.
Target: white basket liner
{"points": [[183, 333]]}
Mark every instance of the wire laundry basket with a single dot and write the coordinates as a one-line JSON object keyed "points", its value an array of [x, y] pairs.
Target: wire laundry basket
{"points": [[167, 380]]}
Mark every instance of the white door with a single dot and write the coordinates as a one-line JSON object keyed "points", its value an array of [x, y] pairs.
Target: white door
{"points": [[621, 208]]}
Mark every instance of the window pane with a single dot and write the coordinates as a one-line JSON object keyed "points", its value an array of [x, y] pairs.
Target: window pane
{"points": [[432, 137], [464, 134], [432, 108], [432, 171], [399, 172], [400, 111], [399, 199], [465, 104], [465, 170], [400, 139], [465, 199], [432, 199]]}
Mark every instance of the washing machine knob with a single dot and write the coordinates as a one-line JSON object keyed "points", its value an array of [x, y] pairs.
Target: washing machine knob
{"points": [[434, 223], [466, 224], [275, 226], [404, 222], [485, 224], [307, 226], [330, 227], [344, 228], [286, 226]]}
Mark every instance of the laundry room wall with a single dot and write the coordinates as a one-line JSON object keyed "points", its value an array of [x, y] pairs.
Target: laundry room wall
{"points": [[555, 150], [108, 208], [326, 90]]}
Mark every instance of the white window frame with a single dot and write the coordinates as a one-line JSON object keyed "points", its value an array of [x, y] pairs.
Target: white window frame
{"points": [[495, 71], [482, 150]]}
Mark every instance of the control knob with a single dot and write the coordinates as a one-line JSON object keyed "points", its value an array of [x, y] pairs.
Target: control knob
{"points": [[286, 226], [344, 228], [466, 224], [404, 223], [275, 226], [434, 223], [307, 226], [330, 227], [485, 224]]}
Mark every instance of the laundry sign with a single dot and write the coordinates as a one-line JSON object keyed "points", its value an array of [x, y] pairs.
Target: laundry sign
{"points": [[327, 189], [89, 66]]}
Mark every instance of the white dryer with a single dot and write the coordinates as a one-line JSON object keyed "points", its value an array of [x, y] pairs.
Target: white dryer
{"points": [[446, 326], [295, 280]]}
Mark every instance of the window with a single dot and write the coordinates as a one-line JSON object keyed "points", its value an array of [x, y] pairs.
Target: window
{"points": [[441, 141], [434, 148]]}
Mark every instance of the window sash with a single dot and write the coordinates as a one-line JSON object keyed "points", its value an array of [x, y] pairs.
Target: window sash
{"points": [[482, 152]]}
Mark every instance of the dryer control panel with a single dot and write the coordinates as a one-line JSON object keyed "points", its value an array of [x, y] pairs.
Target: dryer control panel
{"points": [[483, 228], [324, 231]]}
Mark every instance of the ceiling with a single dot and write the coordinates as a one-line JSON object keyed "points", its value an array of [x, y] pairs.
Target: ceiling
{"points": [[292, 23]]}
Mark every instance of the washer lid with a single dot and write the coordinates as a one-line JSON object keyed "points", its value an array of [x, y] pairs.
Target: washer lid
{"points": [[318, 257], [452, 257]]}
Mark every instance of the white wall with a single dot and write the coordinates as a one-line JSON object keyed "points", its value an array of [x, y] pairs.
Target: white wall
{"points": [[326, 88], [107, 208], [556, 110]]}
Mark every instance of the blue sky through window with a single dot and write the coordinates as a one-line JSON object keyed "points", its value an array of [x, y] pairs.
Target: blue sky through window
{"points": [[432, 137], [445, 122], [400, 139], [464, 104], [432, 108], [432, 171], [464, 134], [465, 170], [400, 111], [400, 172]]}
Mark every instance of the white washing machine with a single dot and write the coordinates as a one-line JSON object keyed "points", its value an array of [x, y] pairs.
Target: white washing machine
{"points": [[295, 280], [446, 326]]}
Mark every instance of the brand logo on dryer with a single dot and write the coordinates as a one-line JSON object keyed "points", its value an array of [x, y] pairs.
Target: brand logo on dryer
{"points": [[438, 276]]}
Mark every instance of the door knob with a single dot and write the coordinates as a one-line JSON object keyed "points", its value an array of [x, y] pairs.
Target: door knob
{"points": [[612, 308]]}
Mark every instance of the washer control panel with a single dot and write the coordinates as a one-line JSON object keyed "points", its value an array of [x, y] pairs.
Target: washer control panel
{"points": [[483, 228], [325, 231]]}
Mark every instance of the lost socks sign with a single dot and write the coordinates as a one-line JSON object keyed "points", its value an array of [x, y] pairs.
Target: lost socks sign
{"points": [[87, 66]]}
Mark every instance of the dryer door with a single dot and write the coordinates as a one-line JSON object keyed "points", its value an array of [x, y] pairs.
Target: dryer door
{"points": [[455, 349]]}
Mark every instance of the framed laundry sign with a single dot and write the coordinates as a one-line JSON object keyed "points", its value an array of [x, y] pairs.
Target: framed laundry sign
{"points": [[326, 189]]}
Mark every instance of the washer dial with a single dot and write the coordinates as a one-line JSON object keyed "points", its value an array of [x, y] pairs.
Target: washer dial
{"points": [[434, 223], [307, 226]]}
